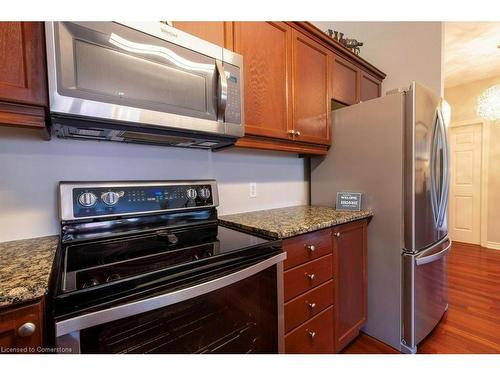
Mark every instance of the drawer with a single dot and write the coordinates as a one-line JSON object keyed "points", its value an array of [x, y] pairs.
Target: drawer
{"points": [[307, 247], [307, 305], [313, 337], [307, 276]]}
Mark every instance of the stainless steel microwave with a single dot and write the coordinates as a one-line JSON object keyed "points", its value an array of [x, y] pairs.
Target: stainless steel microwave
{"points": [[142, 83]]}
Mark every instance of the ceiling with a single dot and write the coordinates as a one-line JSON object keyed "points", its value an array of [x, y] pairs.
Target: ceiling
{"points": [[471, 52]]}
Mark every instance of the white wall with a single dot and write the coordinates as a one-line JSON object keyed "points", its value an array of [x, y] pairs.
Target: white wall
{"points": [[405, 51], [31, 168], [463, 99]]}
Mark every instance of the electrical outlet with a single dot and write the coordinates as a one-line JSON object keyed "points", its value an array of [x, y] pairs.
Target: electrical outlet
{"points": [[253, 190]]}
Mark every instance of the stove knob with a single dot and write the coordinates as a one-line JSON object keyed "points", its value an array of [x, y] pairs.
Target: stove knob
{"points": [[111, 197], [191, 194], [204, 193], [87, 199]]}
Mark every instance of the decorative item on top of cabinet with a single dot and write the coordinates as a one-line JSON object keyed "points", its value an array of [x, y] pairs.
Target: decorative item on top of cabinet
{"points": [[350, 270], [23, 78], [21, 328]]}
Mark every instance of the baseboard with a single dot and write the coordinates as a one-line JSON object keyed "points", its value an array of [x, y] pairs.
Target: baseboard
{"points": [[492, 245]]}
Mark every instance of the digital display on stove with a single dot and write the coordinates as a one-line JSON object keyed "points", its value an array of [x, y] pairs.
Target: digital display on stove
{"points": [[88, 202]]}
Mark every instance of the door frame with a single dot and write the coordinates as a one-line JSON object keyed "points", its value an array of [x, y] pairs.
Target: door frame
{"points": [[485, 143]]}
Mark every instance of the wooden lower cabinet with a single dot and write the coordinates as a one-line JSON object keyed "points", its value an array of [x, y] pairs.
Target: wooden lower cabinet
{"points": [[350, 269], [325, 288], [21, 329], [313, 337], [307, 305]]}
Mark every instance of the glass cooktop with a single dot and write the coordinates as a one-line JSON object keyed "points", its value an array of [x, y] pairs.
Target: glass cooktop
{"points": [[94, 264]]}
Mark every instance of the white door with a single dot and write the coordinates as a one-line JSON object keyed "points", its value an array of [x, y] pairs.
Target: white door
{"points": [[465, 190]]}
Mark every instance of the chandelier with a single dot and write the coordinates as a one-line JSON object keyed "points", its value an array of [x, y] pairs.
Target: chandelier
{"points": [[488, 104]]}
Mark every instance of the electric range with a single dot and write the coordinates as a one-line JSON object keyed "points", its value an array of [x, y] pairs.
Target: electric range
{"points": [[144, 267]]}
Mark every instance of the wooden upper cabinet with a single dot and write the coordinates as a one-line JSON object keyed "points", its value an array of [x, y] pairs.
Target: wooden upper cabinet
{"points": [[370, 87], [23, 77], [311, 90], [22, 63], [345, 76], [212, 31], [350, 276], [265, 47]]}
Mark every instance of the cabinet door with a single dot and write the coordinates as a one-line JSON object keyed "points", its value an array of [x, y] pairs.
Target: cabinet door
{"points": [[311, 93], [22, 63], [370, 87], [344, 81], [211, 31], [266, 51], [21, 327], [350, 266]]}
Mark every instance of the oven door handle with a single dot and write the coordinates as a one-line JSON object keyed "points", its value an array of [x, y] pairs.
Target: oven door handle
{"points": [[137, 307]]}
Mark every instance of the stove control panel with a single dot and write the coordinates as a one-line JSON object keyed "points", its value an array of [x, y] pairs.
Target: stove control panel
{"points": [[88, 200]]}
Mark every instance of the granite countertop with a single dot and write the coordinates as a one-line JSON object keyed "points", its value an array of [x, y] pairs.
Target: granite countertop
{"points": [[25, 267], [290, 221]]}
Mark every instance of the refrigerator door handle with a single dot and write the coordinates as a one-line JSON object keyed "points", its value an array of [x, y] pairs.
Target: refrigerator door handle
{"points": [[434, 149], [425, 258], [443, 204]]}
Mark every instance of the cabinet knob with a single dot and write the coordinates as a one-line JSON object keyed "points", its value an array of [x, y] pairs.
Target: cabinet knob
{"points": [[311, 305], [291, 132], [311, 248], [27, 329], [312, 334], [311, 276], [297, 133], [337, 234]]}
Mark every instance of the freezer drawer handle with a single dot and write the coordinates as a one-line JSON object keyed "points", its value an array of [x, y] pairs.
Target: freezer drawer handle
{"points": [[433, 257]]}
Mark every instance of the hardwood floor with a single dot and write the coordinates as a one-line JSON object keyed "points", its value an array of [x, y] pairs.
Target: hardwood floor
{"points": [[472, 322]]}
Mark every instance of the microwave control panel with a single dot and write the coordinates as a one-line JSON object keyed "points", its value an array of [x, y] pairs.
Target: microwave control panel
{"points": [[233, 107]]}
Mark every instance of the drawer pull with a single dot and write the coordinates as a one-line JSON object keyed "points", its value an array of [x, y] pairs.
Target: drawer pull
{"points": [[311, 248], [312, 334], [311, 305], [337, 234], [311, 276], [27, 329]]}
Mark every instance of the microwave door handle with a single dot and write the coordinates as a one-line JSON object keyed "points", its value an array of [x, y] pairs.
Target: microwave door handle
{"points": [[222, 91]]}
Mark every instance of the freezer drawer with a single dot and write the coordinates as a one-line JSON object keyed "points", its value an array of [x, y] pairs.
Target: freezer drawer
{"points": [[425, 296]]}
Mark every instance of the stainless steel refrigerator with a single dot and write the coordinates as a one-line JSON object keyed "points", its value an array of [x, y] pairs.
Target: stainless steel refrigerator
{"points": [[394, 149]]}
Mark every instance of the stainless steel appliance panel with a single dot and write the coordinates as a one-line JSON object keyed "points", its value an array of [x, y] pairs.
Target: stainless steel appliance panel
{"points": [[426, 170], [367, 156], [425, 292], [147, 74], [177, 322]]}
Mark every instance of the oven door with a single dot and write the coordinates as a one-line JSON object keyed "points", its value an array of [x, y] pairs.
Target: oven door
{"points": [[240, 312], [143, 73]]}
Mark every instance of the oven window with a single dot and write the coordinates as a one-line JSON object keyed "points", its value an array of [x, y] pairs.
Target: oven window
{"points": [[240, 318]]}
